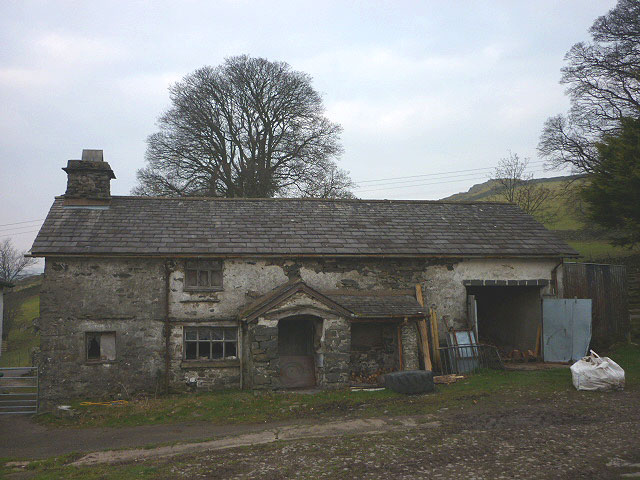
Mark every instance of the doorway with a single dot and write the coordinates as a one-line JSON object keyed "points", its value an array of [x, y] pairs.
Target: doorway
{"points": [[296, 352], [507, 317]]}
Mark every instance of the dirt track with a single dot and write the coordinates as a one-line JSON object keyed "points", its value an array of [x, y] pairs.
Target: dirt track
{"points": [[597, 437]]}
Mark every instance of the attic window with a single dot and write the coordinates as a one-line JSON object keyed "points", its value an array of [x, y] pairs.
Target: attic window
{"points": [[100, 346], [203, 275]]}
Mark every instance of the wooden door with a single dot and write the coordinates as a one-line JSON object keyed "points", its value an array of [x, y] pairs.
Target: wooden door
{"points": [[295, 348]]}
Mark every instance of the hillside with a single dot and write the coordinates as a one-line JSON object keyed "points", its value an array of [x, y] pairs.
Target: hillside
{"points": [[22, 337]]}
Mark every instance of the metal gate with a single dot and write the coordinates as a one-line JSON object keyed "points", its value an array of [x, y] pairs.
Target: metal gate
{"points": [[566, 329], [18, 390]]}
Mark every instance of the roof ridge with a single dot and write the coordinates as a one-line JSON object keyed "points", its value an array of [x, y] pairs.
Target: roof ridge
{"points": [[307, 199]]}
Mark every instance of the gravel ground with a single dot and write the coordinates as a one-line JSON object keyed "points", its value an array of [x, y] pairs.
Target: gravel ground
{"points": [[562, 437]]}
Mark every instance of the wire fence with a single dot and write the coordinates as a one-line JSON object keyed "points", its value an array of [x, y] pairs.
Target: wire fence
{"points": [[460, 359]]}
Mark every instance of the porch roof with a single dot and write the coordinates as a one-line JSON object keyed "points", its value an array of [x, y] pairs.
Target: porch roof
{"points": [[352, 304], [382, 304]]}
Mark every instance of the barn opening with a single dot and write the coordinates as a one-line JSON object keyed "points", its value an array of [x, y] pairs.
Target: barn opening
{"points": [[507, 316]]}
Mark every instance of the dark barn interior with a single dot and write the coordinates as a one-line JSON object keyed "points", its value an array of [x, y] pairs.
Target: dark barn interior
{"points": [[508, 317]]}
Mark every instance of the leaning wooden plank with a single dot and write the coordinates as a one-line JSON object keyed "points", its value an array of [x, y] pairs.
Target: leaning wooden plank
{"points": [[399, 342], [539, 341], [419, 296], [447, 379], [435, 338], [424, 343]]}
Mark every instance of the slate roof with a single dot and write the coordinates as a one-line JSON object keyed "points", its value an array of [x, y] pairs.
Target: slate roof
{"points": [[379, 305], [209, 226]]}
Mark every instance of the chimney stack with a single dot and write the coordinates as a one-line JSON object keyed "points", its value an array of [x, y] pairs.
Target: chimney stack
{"points": [[88, 180]]}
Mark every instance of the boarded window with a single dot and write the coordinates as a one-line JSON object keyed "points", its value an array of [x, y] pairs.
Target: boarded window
{"points": [[210, 343], [203, 275], [100, 346]]}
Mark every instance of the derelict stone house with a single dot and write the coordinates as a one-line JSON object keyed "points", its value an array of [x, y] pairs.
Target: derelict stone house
{"points": [[143, 293]]}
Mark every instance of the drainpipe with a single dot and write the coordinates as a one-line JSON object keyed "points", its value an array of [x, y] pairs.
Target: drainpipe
{"points": [[167, 327], [554, 277], [241, 352]]}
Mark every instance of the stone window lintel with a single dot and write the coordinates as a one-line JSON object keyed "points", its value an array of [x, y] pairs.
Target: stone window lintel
{"points": [[191, 364]]}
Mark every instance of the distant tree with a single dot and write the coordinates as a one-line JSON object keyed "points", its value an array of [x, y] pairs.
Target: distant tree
{"points": [[247, 128], [12, 266], [516, 185], [613, 190], [603, 82], [12, 261]]}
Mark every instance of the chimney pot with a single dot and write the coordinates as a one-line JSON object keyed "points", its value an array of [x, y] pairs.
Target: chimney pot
{"points": [[92, 155]]}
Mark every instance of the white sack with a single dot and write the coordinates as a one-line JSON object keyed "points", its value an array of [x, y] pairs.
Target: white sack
{"points": [[597, 373]]}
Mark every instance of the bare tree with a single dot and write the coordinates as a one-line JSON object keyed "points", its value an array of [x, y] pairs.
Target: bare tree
{"points": [[603, 86], [12, 261], [247, 128], [517, 186], [328, 182]]}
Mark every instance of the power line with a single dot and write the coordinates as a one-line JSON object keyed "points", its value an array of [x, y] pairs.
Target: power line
{"points": [[535, 162], [16, 229], [425, 184], [20, 233], [403, 182], [19, 223]]}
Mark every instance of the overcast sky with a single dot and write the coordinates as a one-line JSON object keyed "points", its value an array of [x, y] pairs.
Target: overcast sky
{"points": [[420, 88]]}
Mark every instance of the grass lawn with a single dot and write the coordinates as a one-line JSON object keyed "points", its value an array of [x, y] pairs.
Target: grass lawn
{"points": [[601, 250], [22, 338], [235, 407]]}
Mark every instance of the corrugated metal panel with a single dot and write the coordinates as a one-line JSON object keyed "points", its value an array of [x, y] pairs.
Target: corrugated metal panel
{"points": [[566, 329], [606, 285]]}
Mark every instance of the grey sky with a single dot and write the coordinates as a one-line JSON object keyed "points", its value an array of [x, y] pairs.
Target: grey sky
{"points": [[419, 87]]}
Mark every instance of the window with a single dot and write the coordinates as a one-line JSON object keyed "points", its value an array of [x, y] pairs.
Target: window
{"points": [[203, 275], [210, 343], [100, 346]]}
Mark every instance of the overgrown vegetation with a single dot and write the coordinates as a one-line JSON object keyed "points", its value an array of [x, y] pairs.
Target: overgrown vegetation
{"points": [[21, 336], [613, 191]]}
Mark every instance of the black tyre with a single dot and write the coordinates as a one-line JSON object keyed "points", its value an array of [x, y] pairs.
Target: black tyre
{"points": [[410, 381]]}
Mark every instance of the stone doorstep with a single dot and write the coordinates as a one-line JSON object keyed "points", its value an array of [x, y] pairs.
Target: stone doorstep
{"points": [[364, 426]]}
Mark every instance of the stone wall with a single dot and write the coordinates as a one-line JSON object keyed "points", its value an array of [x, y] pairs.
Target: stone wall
{"points": [[101, 295], [410, 359], [244, 280], [127, 296], [373, 348]]}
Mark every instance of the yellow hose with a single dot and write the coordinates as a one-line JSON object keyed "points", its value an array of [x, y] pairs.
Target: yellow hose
{"points": [[113, 403]]}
